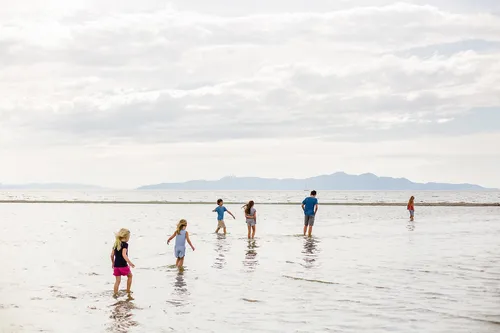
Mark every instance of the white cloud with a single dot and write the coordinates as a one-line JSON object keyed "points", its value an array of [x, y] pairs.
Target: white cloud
{"points": [[84, 74]]}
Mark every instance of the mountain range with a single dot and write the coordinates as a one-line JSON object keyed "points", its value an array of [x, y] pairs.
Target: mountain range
{"points": [[335, 181]]}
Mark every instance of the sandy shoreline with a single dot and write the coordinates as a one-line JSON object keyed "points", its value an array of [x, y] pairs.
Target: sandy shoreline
{"points": [[428, 204]]}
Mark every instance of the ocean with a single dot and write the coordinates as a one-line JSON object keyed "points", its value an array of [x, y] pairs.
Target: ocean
{"points": [[366, 268]]}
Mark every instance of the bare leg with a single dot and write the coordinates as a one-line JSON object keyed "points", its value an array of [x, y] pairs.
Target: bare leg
{"points": [[117, 285], [253, 231], [129, 282], [310, 230], [181, 262], [177, 262], [249, 231], [224, 231], [305, 229], [217, 230]]}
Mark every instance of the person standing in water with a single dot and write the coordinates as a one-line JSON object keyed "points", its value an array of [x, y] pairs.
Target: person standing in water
{"points": [[181, 236], [220, 215], [120, 261], [251, 218], [310, 207], [411, 207]]}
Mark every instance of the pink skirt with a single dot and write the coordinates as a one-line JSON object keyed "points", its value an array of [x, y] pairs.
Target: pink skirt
{"points": [[121, 271]]}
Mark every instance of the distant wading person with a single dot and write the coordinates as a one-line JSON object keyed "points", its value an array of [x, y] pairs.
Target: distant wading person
{"points": [[411, 207], [251, 218], [310, 207], [181, 236], [220, 216]]}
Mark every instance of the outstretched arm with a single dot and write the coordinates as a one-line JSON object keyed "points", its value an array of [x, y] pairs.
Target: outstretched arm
{"points": [[171, 237], [189, 240], [231, 214], [125, 256]]}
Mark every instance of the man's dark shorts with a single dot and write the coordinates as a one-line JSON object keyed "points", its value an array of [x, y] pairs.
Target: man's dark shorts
{"points": [[309, 220]]}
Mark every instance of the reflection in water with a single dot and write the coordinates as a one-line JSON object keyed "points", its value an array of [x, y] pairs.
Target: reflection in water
{"points": [[251, 260], [180, 285], [180, 291], [310, 251], [411, 226], [122, 316], [221, 247]]}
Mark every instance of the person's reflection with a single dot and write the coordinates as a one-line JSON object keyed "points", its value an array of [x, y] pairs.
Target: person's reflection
{"points": [[251, 260], [310, 251], [180, 290], [411, 226], [180, 285], [122, 316], [221, 248]]}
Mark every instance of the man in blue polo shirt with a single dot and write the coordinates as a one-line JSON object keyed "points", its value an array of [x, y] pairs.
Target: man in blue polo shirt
{"points": [[310, 207]]}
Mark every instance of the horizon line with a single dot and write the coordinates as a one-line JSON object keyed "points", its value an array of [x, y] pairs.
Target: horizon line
{"points": [[157, 202]]}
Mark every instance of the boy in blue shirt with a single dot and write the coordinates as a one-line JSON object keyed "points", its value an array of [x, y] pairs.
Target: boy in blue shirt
{"points": [[310, 207], [220, 215]]}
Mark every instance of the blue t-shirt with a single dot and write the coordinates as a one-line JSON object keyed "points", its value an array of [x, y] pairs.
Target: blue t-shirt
{"points": [[309, 204], [220, 212]]}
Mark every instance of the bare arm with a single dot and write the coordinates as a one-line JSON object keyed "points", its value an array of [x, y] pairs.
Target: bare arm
{"points": [[253, 216], [171, 237], [189, 240], [315, 209], [230, 214], [303, 207], [125, 256], [113, 258]]}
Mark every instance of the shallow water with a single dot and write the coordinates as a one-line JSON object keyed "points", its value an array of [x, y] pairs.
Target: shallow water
{"points": [[257, 196], [366, 269]]}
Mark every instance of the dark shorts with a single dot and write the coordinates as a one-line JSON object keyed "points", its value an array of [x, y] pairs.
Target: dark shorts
{"points": [[309, 220]]}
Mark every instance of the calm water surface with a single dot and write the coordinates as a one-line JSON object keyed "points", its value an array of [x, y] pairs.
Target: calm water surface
{"points": [[366, 269], [258, 196]]}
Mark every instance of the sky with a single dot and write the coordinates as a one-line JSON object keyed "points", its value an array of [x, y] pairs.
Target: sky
{"points": [[127, 93]]}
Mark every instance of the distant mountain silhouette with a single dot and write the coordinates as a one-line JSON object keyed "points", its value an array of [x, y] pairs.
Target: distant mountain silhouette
{"points": [[336, 181], [48, 186]]}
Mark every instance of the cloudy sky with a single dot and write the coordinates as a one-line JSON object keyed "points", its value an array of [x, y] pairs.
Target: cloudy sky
{"points": [[128, 93]]}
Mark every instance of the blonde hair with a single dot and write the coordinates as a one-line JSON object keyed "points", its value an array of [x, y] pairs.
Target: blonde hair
{"points": [[182, 223], [121, 235]]}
